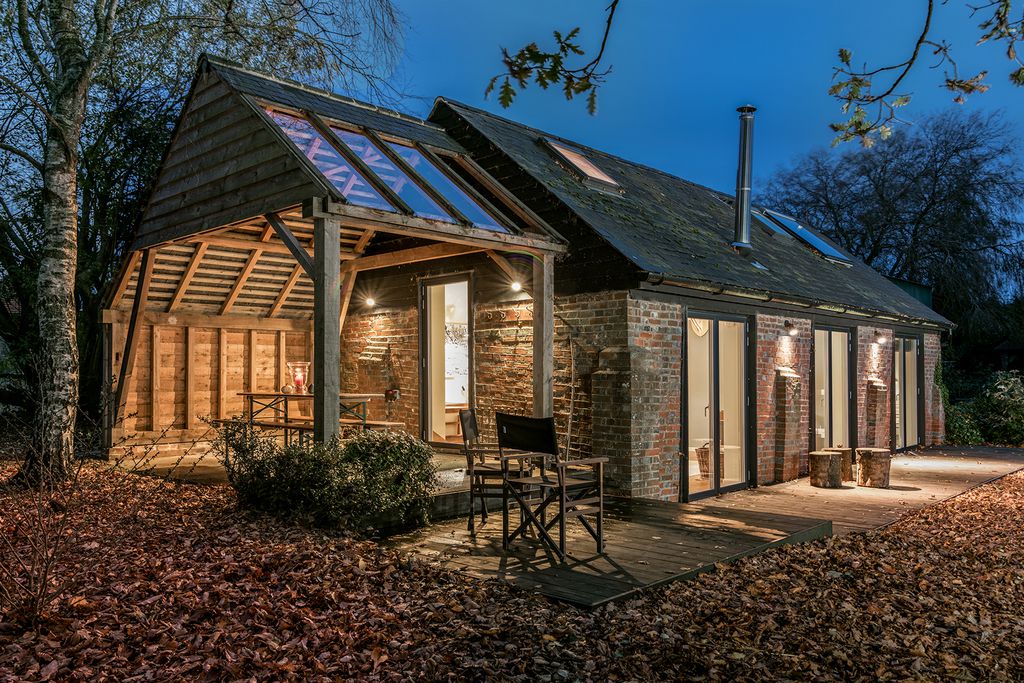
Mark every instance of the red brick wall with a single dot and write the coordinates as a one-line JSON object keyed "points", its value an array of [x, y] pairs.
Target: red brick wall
{"points": [[934, 430], [874, 401], [783, 403], [655, 342]]}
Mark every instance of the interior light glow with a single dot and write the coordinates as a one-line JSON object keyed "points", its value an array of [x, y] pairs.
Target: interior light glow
{"points": [[370, 302], [517, 286]]}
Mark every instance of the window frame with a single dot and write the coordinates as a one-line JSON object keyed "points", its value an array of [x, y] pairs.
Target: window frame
{"points": [[554, 146]]}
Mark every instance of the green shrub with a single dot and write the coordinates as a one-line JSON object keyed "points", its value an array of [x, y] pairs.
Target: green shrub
{"points": [[376, 478], [962, 425], [1000, 409]]}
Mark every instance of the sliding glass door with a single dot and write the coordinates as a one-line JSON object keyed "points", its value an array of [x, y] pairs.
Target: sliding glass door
{"points": [[716, 404], [906, 392], [446, 380], [831, 389]]}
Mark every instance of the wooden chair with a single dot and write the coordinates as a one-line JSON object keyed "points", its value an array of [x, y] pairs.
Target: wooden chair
{"points": [[575, 487], [483, 466]]}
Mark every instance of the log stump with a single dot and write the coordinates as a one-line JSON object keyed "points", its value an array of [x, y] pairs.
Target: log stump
{"points": [[848, 468], [873, 466], [826, 469]]}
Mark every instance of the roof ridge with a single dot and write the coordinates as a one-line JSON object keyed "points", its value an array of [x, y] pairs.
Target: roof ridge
{"points": [[222, 62], [582, 146]]}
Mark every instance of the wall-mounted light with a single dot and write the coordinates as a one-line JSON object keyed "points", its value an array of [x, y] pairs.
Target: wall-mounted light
{"points": [[517, 286], [791, 329], [880, 338], [370, 302]]}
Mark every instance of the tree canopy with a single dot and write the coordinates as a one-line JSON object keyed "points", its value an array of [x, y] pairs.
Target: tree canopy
{"points": [[939, 204]]}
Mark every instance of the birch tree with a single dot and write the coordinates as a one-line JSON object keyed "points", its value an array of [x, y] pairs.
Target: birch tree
{"points": [[52, 55]]}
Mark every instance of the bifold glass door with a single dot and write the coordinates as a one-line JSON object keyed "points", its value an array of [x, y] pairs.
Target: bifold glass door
{"points": [[446, 366], [716, 400], [906, 392], [831, 389]]}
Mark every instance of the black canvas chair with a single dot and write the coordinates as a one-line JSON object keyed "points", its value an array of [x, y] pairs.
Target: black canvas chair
{"points": [[575, 488], [483, 467]]}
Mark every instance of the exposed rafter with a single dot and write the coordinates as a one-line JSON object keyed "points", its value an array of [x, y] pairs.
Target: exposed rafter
{"points": [[186, 278]]}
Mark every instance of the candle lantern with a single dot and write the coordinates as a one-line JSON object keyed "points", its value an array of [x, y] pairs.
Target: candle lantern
{"points": [[299, 373]]}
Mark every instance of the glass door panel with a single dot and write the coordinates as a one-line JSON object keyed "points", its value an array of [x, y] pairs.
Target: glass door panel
{"points": [[910, 391], [699, 373], [831, 389], [446, 373], [732, 422], [716, 405], [821, 395], [905, 396]]}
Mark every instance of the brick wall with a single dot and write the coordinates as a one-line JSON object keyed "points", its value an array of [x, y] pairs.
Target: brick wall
{"points": [[934, 429], [502, 358], [655, 343], [783, 401], [874, 386]]}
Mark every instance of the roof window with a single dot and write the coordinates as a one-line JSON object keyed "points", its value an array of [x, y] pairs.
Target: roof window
{"points": [[807, 236], [581, 163]]}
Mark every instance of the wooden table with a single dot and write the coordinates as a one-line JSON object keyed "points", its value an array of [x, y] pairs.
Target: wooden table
{"points": [[285, 411]]}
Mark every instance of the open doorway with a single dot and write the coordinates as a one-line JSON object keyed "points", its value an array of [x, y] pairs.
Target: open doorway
{"points": [[446, 352]]}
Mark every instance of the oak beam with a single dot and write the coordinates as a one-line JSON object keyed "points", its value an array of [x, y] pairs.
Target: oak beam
{"points": [[543, 336], [126, 275], [245, 245], [186, 278], [190, 378], [154, 377], [405, 256], [231, 322], [293, 245], [326, 329], [222, 372], [132, 340], [289, 285]]}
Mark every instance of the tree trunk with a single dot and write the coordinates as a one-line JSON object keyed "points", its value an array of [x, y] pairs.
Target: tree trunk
{"points": [[55, 290]]}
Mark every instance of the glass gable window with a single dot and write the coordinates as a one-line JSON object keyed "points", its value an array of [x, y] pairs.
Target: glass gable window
{"points": [[809, 237], [411, 193], [582, 163], [443, 184], [317, 149]]}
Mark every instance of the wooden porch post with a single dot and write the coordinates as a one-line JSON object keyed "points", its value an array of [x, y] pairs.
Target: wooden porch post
{"points": [[326, 327], [543, 335]]}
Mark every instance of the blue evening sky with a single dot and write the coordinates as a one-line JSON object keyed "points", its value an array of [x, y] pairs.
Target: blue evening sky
{"points": [[681, 68]]}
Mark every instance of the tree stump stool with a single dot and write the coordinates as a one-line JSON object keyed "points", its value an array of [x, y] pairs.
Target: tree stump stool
{"points": [[848, 473], [826, 469], [873, 467]]}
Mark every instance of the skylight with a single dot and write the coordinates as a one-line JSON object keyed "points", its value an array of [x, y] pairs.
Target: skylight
{"points": [[420, 184], [352, 186], [411, 193], [582, 163], [769, 225], [808, 236], [443, 184]]}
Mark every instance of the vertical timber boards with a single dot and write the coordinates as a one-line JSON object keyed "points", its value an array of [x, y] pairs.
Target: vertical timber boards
{"points": [[185, 373]]}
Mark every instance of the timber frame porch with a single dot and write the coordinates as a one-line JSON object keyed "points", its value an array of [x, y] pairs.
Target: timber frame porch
{"points": [[249, 250]]}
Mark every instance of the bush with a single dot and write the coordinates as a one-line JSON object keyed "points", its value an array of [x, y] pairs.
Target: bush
{"points": [[962, 426], [1000, 409], [376, 478]]}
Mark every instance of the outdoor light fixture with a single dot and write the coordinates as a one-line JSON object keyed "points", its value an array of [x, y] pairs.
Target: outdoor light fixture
{"points": [[370, 302], [516, 286], [791, 329], [880, 338]]}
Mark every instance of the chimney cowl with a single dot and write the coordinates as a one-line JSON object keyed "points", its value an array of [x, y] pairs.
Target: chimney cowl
{"points": [[744, 173]]}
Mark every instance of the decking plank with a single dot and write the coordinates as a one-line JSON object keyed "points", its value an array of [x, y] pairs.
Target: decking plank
{"points": [[650, 543]]}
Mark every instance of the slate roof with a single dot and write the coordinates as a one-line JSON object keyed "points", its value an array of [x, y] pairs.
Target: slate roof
{"points": [[330, 105], [671, 227]]}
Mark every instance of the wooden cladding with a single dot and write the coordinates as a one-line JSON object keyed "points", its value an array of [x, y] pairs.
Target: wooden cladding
{"points": [[183, 374]]}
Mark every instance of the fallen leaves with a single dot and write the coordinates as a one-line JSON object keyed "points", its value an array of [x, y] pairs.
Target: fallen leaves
{"points": [[179, 584]]}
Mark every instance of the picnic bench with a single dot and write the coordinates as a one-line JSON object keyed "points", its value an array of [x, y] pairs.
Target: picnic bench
{"points": [[292, 413]]}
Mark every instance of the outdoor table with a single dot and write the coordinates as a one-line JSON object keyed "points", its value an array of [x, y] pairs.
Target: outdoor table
{"points": [[848, 473], [873, 466], [826, 469], [293, 412]]}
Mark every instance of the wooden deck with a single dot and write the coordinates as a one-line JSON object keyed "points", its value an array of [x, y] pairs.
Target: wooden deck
{"points": [[654, 542]]}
